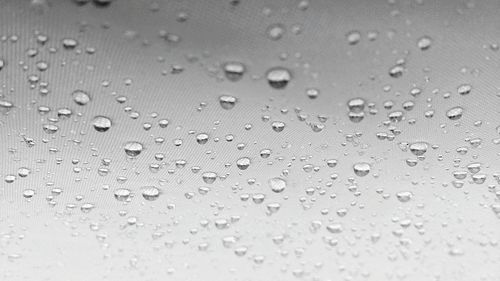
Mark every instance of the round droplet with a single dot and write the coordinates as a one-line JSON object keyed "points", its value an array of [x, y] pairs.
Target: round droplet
{"points": [[122, 194], [28, 193], [312, 93], [404, 196], [361, 169], [9, 178], [455, 113], [278, 77], [243, 163], [101, 123], [275, 31], [23, 172], [202, 138], [234, 71], [396, 71], [418, 148], [278, 126], [133, 148], [424, 43], [356, 117], [277, 184], [6, 104], [227, 102], [356, 105], [50, 128], [353, 37], [69, 43], [209, 177], [81, 97], [64, 113], [464, 89], [150, 193]]}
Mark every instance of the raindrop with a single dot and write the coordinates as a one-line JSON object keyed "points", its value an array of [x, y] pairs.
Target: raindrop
{"points": [[243, 163], [356, 105], [312, 93], [361, 169], [28, 193], [227, 102], [404, 196], [69, 43], [455, 113], [81, 97], [133, 148], [424, 43], [150, 193], [278, 77], [101, 123], [464, 89], [418, 148], [278, 126], [275, 31], [353, 37], [122, 194], [202, 138], [277, 185]]}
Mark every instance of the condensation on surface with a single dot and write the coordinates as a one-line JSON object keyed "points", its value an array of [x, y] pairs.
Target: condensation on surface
{"points": [[249, 140]]}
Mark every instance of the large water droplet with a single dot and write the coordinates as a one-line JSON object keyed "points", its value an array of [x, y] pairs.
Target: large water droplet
{"points": [[150, 193], [277, 184], [81, 97], [278, 77], [227, 102], [361, 169], [133, 148], [455, 113], [101, 123]]}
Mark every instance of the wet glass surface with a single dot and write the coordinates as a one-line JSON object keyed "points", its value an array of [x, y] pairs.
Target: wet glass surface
{"points": [[249, 140]]}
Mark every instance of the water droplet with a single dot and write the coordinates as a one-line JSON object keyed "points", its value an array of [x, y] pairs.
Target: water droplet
{"points": [[227, 102], [278, 77], [361, 169], [69, 43], [50, 128], [150, 193], [102, 3], [122, 194], [312, 93], [275, 31], [202, 138], [353, 37], [23, 172], [81, 97], [404, 196], [424, 43], [234, 71], [243, 163], [418, 148], [277, 184], [133, 148], [278, 126], [28, 193], [209, 177], [101, 123], [356, 105], [6, 104], [455, 113], [464, 89]]}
